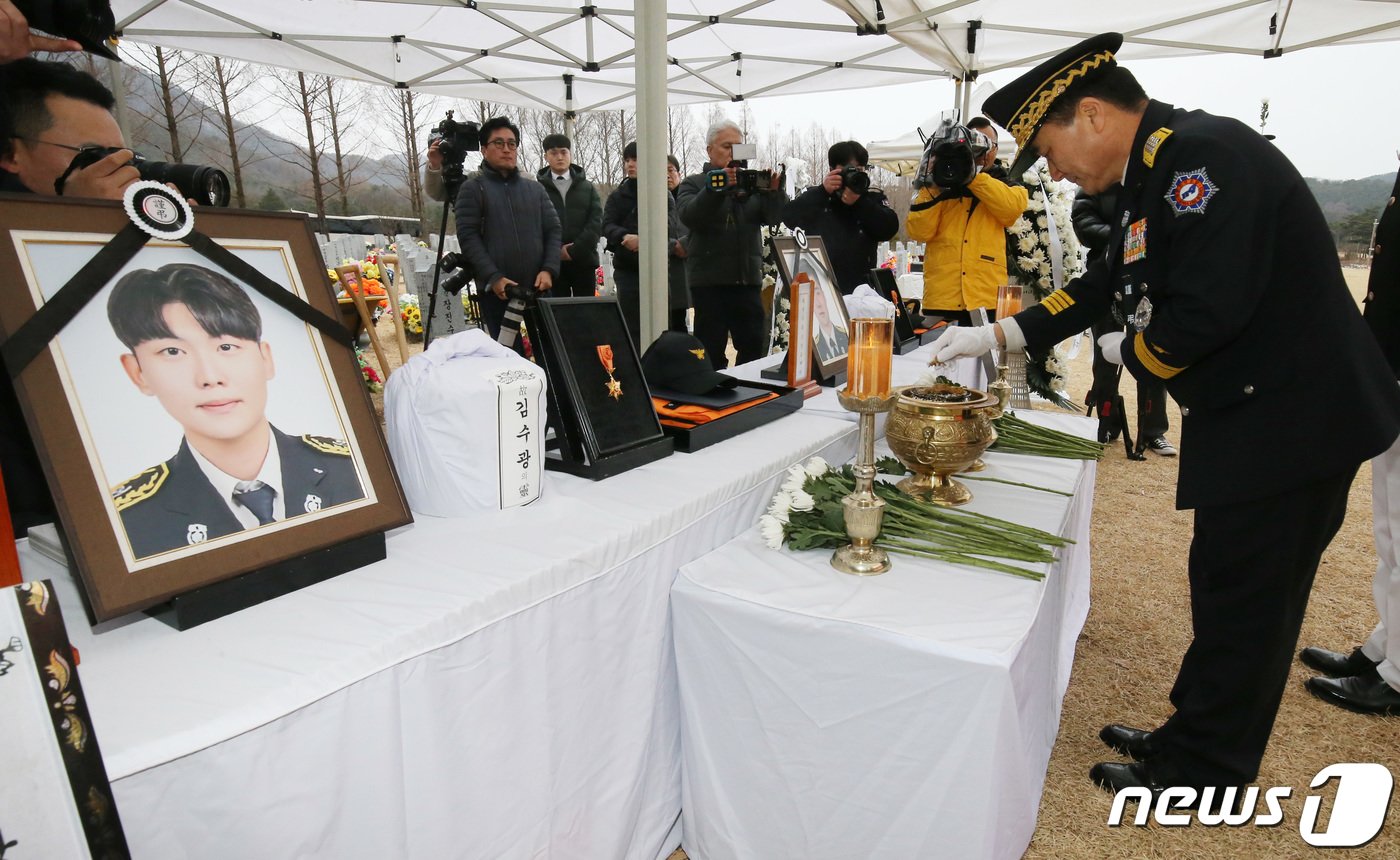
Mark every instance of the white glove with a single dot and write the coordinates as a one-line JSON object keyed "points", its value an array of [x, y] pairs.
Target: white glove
{"points": [[1111, 345], [960, 341]]}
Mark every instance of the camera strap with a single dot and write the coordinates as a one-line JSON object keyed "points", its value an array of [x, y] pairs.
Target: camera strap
{"points": [[949, 194]]}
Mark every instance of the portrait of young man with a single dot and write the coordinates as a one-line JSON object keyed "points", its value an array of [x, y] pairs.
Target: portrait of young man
{"points": [[194, 342]]}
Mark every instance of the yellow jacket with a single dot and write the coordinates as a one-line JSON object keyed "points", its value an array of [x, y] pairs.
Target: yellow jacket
{"points": [[965, 257]]}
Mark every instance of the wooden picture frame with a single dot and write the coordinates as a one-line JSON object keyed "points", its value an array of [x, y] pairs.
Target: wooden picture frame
{"points": [[800, 253], [599, 402], [143, 520], [799, 364]]}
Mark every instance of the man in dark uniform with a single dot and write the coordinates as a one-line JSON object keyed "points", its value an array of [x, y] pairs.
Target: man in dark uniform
{"points": [[1219, 249], [1368, 679], [195, 341]]}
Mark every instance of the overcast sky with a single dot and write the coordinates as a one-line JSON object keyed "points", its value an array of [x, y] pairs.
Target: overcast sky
{"points": [[1333, 109]]}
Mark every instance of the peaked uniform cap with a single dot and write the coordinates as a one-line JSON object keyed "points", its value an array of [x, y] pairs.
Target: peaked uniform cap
{"points": [[1020, 106]]}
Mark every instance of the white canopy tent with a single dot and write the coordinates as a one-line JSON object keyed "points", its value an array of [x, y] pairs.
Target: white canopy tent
{"points": [[543, 53]]}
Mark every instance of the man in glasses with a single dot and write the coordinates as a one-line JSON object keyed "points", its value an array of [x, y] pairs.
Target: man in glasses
{"points": [[506, 224], [55, 111]]}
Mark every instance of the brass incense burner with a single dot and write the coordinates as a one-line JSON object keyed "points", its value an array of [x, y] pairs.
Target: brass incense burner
{"points": [[939, 430]]}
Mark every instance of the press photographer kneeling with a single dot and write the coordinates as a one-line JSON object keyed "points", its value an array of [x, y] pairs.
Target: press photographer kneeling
{"points": [[961, 214]]}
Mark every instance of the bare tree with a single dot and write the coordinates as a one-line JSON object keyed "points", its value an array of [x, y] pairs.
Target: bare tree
{"points": [[173, 71], [684, 138], [343, 102], [224, 82], [416, 113], [299, 93]]}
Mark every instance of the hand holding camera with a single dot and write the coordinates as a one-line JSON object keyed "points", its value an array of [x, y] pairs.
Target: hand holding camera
{"points": [[18, 42], [106, 178]]}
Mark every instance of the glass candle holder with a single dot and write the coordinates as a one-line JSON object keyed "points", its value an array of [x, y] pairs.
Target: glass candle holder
{"points": [[1008, 300], [871, 354]]}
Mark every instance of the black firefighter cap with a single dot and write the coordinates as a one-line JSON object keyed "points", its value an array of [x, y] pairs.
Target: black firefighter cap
{"points": [[677, 362], [1021, 105]]}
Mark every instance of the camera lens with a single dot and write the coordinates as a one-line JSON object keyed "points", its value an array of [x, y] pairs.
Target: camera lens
{"points": [[207, 186], [455, 283]]}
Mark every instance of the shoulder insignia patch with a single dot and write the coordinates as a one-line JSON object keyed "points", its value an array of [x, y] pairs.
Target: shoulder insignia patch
{"points": [[1190, 191], [1153, 143], [327, 445], [139, 488]]}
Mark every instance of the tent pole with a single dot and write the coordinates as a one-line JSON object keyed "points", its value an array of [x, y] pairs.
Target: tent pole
{"points": [[570, 119], [651, 167], [957, 93]]}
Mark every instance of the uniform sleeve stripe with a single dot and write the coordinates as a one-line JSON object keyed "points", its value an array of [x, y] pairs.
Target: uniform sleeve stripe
{"points": [[1151, 362], [1057, 301]]}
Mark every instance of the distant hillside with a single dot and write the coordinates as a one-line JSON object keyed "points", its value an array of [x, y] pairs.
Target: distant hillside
{"points": [[1340, 198], [270, 178]]}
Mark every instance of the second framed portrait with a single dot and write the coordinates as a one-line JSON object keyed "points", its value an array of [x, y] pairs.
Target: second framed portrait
{"points": [[831, 324], [191, 427]]}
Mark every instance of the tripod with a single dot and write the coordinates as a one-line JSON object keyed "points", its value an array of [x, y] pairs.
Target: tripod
{"points": [[451, 184]]}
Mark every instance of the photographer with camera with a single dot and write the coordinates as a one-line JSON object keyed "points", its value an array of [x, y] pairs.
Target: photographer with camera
{"points": [[57, 114], [850, 216], [725, 206], [507, 227], [961, 214]]}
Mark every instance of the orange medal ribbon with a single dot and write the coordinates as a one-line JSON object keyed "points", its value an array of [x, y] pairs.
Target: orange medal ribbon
{"points": [[605, 355]]}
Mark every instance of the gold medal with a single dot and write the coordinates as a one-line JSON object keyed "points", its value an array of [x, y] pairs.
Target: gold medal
{"points": [[605, 355]]}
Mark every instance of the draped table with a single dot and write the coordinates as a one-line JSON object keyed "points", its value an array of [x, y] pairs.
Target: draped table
{"points": [[499, 686], [904, 715]]}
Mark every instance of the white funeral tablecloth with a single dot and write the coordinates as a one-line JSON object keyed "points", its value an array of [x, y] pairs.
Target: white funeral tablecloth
{"points": [[907, 715], [499, 687]]}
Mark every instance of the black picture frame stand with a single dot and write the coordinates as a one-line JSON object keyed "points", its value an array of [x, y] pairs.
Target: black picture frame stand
{"points": [[577, 446], [211, 602]]}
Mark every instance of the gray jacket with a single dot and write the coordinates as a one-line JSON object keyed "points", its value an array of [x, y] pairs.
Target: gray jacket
{"points": [[725, 245], [521, 234]]}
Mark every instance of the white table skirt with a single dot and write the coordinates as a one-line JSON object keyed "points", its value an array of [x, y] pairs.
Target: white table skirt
{"points": [[904, 715], [499, 687]]}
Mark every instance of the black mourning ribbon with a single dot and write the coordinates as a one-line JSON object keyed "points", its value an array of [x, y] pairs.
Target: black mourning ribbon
{"points": [[56, 313]]}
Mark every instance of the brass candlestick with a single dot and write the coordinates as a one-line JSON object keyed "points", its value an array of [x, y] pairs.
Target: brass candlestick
{"points": [[863, 509]]}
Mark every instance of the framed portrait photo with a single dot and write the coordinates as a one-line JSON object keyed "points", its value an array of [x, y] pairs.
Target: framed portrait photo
{"points": [[831, 325], [191, 428]]}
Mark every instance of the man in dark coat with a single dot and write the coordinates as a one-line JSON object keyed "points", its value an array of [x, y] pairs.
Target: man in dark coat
{"points": [[724, 264], [620, 226], [1218, 250], [1091, 216], [850, 220], [1368, 679], [194, 342], [506, 225], [580, 212]]}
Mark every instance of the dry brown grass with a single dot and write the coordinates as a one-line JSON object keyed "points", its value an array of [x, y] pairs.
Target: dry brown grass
{"points": [[1137, 630]]}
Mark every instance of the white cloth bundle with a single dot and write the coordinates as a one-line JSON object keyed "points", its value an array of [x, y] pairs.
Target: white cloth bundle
{"points": [[466, 426], [865, 303]]}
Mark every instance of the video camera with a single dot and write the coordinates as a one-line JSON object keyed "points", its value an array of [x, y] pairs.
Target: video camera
{"points": [[746, 181], [950, 156], [454, 139], [207, 186], [90, 23]]}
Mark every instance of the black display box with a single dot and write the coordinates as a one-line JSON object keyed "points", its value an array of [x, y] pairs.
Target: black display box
{"points": [[692, 439]]}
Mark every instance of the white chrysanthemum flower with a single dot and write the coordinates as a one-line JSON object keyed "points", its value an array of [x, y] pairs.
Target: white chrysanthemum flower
{"points": [[816, 467], [1045, 282], [1026, 244], [1036, 204], [803, 501], [1038, 256], [1025, 263], [1022, 225], [772, 530], [1042, 222], [781, 505], [796, 477], [1043, 268], [1031, 176]]}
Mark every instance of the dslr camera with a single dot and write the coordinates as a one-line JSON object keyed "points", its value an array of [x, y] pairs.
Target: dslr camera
{"points": [[746, 181], [950, 156], [207, 186], [454, 139], [88, 22], [855, 179]]}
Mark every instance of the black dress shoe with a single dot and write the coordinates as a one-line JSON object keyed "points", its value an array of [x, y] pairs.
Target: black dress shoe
{"points": [[1134, 743], [1357, 693], [1334, 664], [1113, 777]]}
